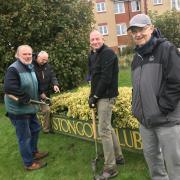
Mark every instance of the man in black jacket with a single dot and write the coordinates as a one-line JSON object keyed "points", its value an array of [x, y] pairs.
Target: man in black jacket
{"points": [[104, 70], [156, 98], [47, 81]]}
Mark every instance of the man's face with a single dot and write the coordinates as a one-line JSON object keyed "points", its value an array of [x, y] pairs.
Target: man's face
{"points": [[142, 35], [96, 40], [25, 55], [42, 59]]}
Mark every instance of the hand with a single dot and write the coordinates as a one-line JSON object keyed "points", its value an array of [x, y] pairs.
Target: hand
{"points": [[56, 89], [43, 96], [24, 100], [92, 101]]}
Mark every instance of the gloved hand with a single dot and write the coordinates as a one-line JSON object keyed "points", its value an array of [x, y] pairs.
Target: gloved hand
{"points": [[92, 101]]}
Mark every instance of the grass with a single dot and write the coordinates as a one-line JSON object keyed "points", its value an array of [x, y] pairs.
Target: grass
{"points": [[125, 77], [70, 157]]}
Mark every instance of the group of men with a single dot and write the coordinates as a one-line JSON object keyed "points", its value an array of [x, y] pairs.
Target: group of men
{"points": [[155, 100], [26, 80]]}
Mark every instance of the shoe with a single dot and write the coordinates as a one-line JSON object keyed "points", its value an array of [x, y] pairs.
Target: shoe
{"points": [[39, 155], [107, 174], [46, 131], [120, 160], [36, 165], [51, 132]]}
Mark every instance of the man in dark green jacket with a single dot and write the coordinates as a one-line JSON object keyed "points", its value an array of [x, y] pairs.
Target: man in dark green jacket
{"points": [[21, 86]]}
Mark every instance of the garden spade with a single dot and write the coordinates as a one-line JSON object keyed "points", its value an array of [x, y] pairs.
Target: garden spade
{"points": [[94, 161]]}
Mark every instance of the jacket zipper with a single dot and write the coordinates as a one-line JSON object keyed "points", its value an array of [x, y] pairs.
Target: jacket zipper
{"points": [[43, 74], [140, 90]]}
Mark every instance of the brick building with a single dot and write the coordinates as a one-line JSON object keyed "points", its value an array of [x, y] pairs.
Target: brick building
{"points": [[112, 17]]}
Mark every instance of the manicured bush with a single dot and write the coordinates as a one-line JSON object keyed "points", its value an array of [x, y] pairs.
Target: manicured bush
{"points": [[75, 104]]}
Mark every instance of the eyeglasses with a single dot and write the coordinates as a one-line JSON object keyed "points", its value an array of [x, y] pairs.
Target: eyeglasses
{"points": [[135, 30]]}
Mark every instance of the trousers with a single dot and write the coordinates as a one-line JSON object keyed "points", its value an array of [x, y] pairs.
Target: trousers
{"points": [[111, 147], [27, 131], [45, 109], [161, 147]]}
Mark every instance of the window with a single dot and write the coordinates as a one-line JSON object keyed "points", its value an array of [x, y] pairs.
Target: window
{"points": [[103, 30], [135, 6], [100, 7], [121, 29], [176, 4], [155, 2], [119, 8]]}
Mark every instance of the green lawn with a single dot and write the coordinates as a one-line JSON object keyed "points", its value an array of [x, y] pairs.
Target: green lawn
{"points": [[125, 77], [69, 159]]}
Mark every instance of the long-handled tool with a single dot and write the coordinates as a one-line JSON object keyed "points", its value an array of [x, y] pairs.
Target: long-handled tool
{"points": [[94, 161], [31, 101]]}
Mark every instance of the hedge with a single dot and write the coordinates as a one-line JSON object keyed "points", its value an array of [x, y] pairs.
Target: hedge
{"points": [[1, 93], [74, 104]]}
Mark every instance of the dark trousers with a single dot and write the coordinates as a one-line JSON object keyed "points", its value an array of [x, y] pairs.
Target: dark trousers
{"points": [[27, 131]]}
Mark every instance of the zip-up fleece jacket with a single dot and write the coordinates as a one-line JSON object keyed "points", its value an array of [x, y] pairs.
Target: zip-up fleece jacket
{"points": [[91, 59], [46, 77], [104, 73], [20, 81], [156, 84]]}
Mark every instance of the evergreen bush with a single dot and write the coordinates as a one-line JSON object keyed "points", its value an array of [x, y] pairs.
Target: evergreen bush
{"points": [[59, 27], [75, 104]]}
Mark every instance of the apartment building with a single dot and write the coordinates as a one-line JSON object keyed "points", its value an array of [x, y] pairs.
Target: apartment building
{"points": [[112, 17], [161, 6]]}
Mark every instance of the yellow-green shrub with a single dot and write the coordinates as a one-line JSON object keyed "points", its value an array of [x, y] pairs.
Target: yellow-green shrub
{"points": [[75, 104], [122, 110]]}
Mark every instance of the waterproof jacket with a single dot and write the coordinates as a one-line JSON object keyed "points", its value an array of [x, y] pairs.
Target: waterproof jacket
{"points": [[20, 81], [46, 77], [156, 84], [104, 73]]}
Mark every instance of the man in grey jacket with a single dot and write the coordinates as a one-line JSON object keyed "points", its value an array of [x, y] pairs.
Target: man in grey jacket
{"points": [[156, 98]]}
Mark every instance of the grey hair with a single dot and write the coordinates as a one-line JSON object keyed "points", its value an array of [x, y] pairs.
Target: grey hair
{"points": [[20, 47], [42, 53]]}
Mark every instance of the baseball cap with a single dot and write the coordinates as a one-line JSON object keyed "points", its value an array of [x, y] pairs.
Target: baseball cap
{"points": [[139, 20]]}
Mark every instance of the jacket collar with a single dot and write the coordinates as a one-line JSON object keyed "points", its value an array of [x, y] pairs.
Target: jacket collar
{"points": [[38, 65], [27, 66], [101, 48], [149, 46]]}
